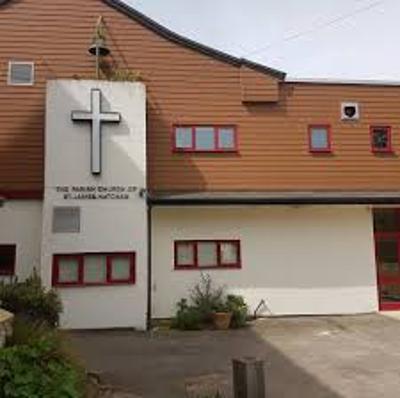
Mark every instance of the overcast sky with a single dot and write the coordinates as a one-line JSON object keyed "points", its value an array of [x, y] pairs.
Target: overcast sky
{"points": [[352, 39]]}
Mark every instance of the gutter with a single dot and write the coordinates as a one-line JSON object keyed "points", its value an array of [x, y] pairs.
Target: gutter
{"points": [[276, 201], [149, 267]]}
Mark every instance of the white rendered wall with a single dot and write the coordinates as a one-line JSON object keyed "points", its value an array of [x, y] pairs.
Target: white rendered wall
{"points": [[305, 260], [21, 225], [107, 225]]}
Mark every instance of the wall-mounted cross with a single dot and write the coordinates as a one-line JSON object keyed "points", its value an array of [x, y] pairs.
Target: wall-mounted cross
{"points": [[96, 117]]}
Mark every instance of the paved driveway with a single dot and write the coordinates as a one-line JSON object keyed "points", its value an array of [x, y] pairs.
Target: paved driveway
{"points": [[323, 357]]}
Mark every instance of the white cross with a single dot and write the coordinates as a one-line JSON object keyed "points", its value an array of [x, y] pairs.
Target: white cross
{"points": [[96, 117]]}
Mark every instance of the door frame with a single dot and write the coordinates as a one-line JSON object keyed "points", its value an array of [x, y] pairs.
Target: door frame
{"points": [[387, 305]]}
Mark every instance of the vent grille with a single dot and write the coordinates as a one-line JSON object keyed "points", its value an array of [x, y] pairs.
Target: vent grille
{"points": [[21, 74], [66, 220]]}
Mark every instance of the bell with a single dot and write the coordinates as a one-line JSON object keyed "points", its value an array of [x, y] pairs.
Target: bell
{"points": [[101, 45]]}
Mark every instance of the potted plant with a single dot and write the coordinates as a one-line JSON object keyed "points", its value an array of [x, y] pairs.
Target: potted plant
{"points": [[222, 317]]}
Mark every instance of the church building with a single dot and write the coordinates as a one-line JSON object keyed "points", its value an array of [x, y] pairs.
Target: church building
{"points": [[132, 160]]}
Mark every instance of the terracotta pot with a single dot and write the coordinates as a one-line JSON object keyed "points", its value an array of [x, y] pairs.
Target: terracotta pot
{"points": [[222, 320]]}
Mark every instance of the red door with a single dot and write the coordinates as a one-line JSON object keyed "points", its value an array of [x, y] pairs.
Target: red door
{"points": [[387, 248]]}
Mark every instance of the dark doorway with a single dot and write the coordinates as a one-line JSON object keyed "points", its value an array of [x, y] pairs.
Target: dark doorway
{"points": [[387, 249]]}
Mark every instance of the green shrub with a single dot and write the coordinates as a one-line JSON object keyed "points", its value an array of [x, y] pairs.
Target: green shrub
{"points": [[39, 369], [187, 317], [30, 301], [207, 298], [239, 309], [27, 333]]}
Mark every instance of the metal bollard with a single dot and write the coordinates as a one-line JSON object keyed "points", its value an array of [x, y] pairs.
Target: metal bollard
{"points": [[248, 378]]}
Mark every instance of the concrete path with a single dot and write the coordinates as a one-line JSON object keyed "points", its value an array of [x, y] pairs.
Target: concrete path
{"points": [[322, 357]]}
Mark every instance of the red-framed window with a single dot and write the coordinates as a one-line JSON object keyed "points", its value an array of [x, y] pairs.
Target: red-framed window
{"points": [[319, 138], [381, 139], [93, 269], [7, 259], [205, 139], [207, 254]]}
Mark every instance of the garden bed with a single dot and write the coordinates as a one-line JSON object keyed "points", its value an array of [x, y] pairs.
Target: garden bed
{"points": [[209, 306]]}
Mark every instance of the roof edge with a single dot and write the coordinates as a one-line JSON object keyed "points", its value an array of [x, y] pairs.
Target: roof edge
{"points": [[274, 201], [186, 42], [278, 198], [344, 82]]}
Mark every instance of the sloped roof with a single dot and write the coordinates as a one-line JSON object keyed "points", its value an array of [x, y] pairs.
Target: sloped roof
{"points": [[183, 41], [176, 38]]}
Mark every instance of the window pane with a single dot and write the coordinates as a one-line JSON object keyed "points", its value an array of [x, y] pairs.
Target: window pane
{"points": [[319, 138], [205, 140], [120, 268], [229, 253], [226, 138], [183, 137], [68, 270], [95, 269], [380, 138], [387, 253], [207, 254], [386, 220], [184, 254], [390, 292], [7, 259]]}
